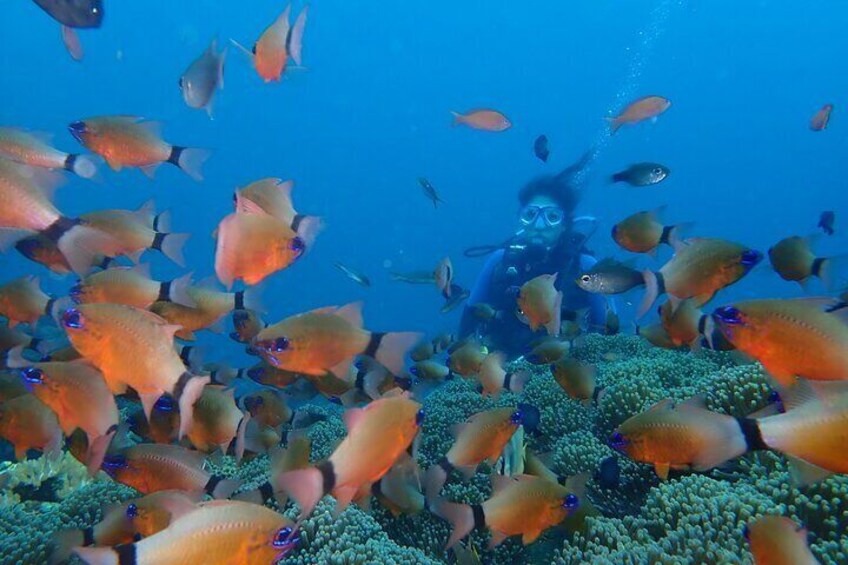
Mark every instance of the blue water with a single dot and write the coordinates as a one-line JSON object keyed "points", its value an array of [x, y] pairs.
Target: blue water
{"points": [[370, 114]]}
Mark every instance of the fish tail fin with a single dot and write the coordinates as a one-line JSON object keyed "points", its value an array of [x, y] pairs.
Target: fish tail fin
{"points": [[162, 221], [553, 326], [825, 268], [187, 390], [190, 160], [97, 555], [518, 380], [434, 480], [97, 451], [80, 244], [239, 440], [251, 299], [63, 544], [804, 473], [652, 291], [308, 228], [392, 349], [178, 290], [224, 488], [461, 517], [673, 235], [81, 165], [306, 486], [171, 246]]}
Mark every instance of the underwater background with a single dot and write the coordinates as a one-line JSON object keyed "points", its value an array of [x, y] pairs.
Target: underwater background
{"points": [[369, 115]]}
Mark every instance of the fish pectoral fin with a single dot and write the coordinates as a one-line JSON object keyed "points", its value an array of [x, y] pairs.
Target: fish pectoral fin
{"points": [[343, 497], [352, 417], [703, 298], [150, 170], [497, 539], [113, 163], [662, 470], [531, 536], [804, 473]]}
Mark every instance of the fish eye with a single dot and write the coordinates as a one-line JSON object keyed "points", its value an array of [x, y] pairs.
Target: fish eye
{"points": [[570, 502], [32, 375], [76, 292], [729, 315], [419, 417], [414, 370], [112, 463], [286, 538], [280, 344], [658, 171], [132, 510], [72, 319], [256, 373], [516, 417], [297, 245], [585, 278], [335, 400], [164, 404], [617, 440]]}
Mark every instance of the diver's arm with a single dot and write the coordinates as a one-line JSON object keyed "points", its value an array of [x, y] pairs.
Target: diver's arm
{"points": [[481, 292]]}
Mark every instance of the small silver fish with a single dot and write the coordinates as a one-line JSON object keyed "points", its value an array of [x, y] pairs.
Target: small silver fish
{"points": [[414, 277], [202, 77], [355, 276], [430, 192], [642, 174], [609, 276]]}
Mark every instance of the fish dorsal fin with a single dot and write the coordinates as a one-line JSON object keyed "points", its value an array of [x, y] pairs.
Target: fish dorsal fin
{"points": [[698, 402], [324, 310], [820, 302], [665, 404], [500, 483], [352, 313], [352, 417], [246, 206], [146, 212]]}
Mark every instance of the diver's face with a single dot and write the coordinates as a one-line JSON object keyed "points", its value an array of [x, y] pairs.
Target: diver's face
{"points": [[542, 220]]}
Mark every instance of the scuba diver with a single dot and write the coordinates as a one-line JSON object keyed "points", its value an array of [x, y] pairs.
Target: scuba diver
{"points": [[549, 240]]}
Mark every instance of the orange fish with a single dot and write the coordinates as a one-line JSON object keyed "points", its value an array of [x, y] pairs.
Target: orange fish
{"points": [[273, 196], [493, 378], [683, 324], [134, 232], [645, 108], [126, 522], [547, 350], [327, 339], [267, 407], [540, 303], [29, 211], [682, 436], [791, 338], [27, 423], [793, 260], [253, 245], [270, 52], [153, 467], [700, 268], [812, 432], [293, 457], [135, 348], [520, 505], [487, 120], [444, 276], [130, 141], [218, 422], [656, 335], [163, 425], [821, 118], [78, 395], [482, 437], [577, 379], [247, 324], [218, 532], [778, 540], [31, 149], [210, 307], [266, 374], [131, 286], [377, 436], [643, 233], [430, 370], [23, 301]]}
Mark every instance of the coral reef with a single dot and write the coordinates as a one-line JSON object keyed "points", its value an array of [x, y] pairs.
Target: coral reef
{"points": [[690, 518]]}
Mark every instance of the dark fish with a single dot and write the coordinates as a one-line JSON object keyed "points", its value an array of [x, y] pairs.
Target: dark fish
{"points": [[642, 174], [608, 475], [541, 148], [430, 192], [826, 221], [414, 277], [457, 297], [353, 275], [609, 276], [74, 13]]}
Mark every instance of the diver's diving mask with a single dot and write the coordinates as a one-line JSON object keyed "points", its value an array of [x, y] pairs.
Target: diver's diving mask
{"points": [[551, 215]]}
